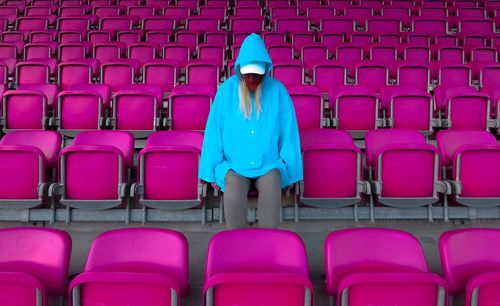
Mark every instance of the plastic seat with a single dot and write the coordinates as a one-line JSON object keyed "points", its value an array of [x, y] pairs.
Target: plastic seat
{"points": [[327, 75], [406, 169], [130, 37], [176, 51], [203, 72], [213, 52], [74, 72], [28, 159], [470, 265], [35, 265], [239, 262], [189, 106], [489, 82], [167, 160], [372, 76], [71, 51], [32, 72], [82, 187], [188, 38], [158, 23], [308, 104], [311, 54], [332, 169], [349, 57], [143, 52], [410, 110], [467, 110], [246, 24], [115, 24], [161, 72], [25, 109], [119, 73], [473, 162], [292, 24], [107, 51], [359, 14], [289, 72], [451, 76], [149, 265], [337, 25], [202, 23], [379, 266]]}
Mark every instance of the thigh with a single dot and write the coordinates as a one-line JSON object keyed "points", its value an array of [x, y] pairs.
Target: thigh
{"points": [[270, 180], [236, 183]]}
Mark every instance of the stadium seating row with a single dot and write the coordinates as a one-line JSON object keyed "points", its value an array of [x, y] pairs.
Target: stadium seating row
{"points": [[139, 266]]}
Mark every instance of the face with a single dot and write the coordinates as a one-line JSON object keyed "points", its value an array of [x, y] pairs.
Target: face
{"points": [[252, 80]]}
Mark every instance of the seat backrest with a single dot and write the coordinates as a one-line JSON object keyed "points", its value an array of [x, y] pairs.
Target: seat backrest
{"points": [[466, 253], [122, 140], [448, 141], [414, 76], [256, 250], [49, 142], [436, 26], [490, 76], [376, 139], [337, 25], [141, 250], [361, 250], [41, 252], [454, 75], [307, 101], [384, 26], [289, 72]]}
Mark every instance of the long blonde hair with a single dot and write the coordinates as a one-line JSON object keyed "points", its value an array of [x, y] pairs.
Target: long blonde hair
{"points": [[246, 100]]}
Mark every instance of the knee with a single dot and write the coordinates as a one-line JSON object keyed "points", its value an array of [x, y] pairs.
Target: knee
{"points": [[271, 179]]}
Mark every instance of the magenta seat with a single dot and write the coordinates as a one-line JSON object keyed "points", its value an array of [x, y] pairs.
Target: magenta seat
{"points": [[271, 261], [189, 106], [379, 266], [134, 266], [34, 265], [308, 104], [24, 109], [289, 72], [161, 72], [470, 264], [119, 73], [110, 152], [170, 155], [327, 75], [410, 110]]}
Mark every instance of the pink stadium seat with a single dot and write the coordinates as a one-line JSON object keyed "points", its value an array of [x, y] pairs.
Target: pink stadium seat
{"points": [[213, 52], [189, 38], [129, 37], [410, 110], [372, 76], [245, 24], [451, 76], [203, 72], [114, 24], [25, 109], [107, 51], [337, 25], [158, 23], [470, 264], [327, 75], [27, 158], [239, 262], [280, 51], [80, 185], [142, 51], [160, 37], [134, 266], [289, 72], [35, 265], [177, 51], [379, 266], [73, 73], [71, 51], [189, 105], [32, 72], [202, 23], [119, 73], [161, 72], [167, 160], [332, 169], [308, 104], [312, 54]]}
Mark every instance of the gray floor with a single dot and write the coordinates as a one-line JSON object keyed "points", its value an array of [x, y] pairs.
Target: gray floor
{"points": [[312, 232]]}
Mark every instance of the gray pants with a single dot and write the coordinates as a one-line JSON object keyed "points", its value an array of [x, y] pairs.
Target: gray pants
{"points": [[268, 203]]}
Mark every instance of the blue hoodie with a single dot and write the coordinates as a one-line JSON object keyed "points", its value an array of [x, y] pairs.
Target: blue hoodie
{"points": [[251, 147]]}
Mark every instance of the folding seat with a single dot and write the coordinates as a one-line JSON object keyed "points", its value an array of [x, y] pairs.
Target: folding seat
{"points": [[213, 11], [24, 109], [156, 273], [420, 39], [481, 57], [417, 55], [349, 57], [108, 51], [474, 162], [359, 14], [136, 108], [285, 11], [41, 11], [202, 24], [489, 82], [397, 12], [415, 77], [410, 110], [218, 37], [327, 75], [289, 72], [159, 37], [300, 39], [187, 37], [189, 106], [119, 73], [142, 51], [141, 11], [191, 4], [360, 39], [304, 5], [375, 5], [246, 24], [433, 12], [177, 51], [354, 109], [239, 262], [129, 3], [452, 76], [158, 23], [9, 13], [376, 266], [71, 11], [163, 73], [35, 265], [130, 37], [239, 37], [217, 3], [14, 37], [42, 36], [339, 5], [32, 72], [172, 156], [467, 13], [8, 56], [106, 10], [31, 24], [446, 40], [476, 26], [308, 104], [467, 110], [246, 3], [372, 76], [337, 25], [317, 13], [80, 186], [215, 53], [470, 265], [272, 37], [383, 54], [383, 26], [179, 13], [28, 158], [82, 107], [20, 4], [280, 51], [434, 26], [71, 51], [247, 11], [274, 3], [44, 50], [203, 72], [76, 72], [332, 169], [312, 54], [80, 24], [116, 23], [99, 37]]}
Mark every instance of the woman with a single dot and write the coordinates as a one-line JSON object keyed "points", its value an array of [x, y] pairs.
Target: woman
{"points": [[251, 137]]}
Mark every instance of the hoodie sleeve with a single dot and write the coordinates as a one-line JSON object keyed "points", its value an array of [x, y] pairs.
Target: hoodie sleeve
{"points": [[289, 141], [212, 152]]}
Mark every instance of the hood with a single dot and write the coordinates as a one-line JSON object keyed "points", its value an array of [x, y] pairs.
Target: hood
{"points": [[252, 50]]}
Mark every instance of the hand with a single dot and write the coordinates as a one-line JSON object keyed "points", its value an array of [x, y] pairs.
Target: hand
{"points": [[215, 186]]}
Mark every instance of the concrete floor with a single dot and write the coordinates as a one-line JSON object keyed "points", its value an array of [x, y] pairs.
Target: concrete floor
{"points": [[312, 232]]}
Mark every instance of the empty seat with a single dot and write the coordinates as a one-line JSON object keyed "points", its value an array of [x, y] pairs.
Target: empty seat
{"points": [[366, 266], [119, 73], [327, 75], [308, 104], [80, 185], [35, 265], [473, 157], [134, 266], [203, 72], [25, 109], [189, 106], [75, 72], [168, 159], [289, 72], [470, 264], [162, 72], [28, 158], [241, 262]]}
